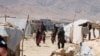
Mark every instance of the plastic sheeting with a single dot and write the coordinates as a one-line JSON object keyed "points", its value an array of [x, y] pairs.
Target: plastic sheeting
{"points": [[14, 39], [73, 29], [14, 36], [3, 31], [97, 33], [21, 23], [85, 50], [77, 34]]}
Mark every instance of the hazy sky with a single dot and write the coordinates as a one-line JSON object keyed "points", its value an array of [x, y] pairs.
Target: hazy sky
{"points": [[54, 8]]}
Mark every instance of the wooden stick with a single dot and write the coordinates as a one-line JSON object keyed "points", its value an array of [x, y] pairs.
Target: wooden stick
{"points": [[5, 18], [24, 30]]}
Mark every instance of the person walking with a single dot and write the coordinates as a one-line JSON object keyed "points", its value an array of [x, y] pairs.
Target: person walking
{"points": [[43, 29], [38, 37], [54, 33], [61, 38]]}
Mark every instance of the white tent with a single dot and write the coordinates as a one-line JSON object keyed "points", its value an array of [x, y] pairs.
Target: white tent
{"points": [[21, 23], [74, 30]]}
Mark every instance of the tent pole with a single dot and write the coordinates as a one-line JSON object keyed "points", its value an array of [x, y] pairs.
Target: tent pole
{"points": [[73, 27], [23, 40], [24, 30], [5, 18]]}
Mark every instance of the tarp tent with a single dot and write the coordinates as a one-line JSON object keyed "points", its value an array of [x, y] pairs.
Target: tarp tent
{"points": [[21, 23], [14, 34], [3, 31], [74, 31]]}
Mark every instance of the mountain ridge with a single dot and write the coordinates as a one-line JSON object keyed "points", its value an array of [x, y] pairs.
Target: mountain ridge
{"points": [[51, 8]]}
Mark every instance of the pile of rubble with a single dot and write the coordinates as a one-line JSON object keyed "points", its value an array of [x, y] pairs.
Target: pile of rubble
{"points": [[74, 50]]}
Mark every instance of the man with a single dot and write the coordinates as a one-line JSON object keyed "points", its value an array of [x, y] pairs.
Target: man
{"points": [[61, 38], [54, 32], [43, 29], [3, 47]]}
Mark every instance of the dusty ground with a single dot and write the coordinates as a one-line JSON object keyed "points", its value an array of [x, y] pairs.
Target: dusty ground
{"points": [[30, 48], [95, 45]]}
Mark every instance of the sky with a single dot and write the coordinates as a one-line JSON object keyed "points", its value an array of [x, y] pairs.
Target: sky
{"points": [[56, 9]]}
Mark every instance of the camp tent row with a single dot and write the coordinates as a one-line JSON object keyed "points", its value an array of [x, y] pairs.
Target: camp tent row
{"points": [[14, 33], [74, 31]]}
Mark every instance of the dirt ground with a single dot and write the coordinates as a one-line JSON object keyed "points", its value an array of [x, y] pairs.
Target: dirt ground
{"points": [[30, 48]]}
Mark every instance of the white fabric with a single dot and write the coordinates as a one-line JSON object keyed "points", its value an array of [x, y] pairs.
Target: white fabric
{"points": [[97, 33], [14, 38], [2, 20], [21, 23], [28, 29], [3, 32], [73, 29], [92, 36], [77, 34], [13, 33], [86, 50]]}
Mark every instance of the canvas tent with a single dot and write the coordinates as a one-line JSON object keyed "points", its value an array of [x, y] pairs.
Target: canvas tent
{"points": [[94, 31], [21, 23], [75, 31], [14, 34]]}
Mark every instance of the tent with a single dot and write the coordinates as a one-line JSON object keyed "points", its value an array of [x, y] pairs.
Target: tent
{"points": [[14, 33], [21, 23], [74, 31], [14, 36]]}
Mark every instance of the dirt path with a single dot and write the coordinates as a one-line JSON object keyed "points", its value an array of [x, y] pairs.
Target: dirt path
{"points": [[30, 48]]}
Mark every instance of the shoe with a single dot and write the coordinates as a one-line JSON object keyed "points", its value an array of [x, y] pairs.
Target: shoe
{"points": [[38, 45]]}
